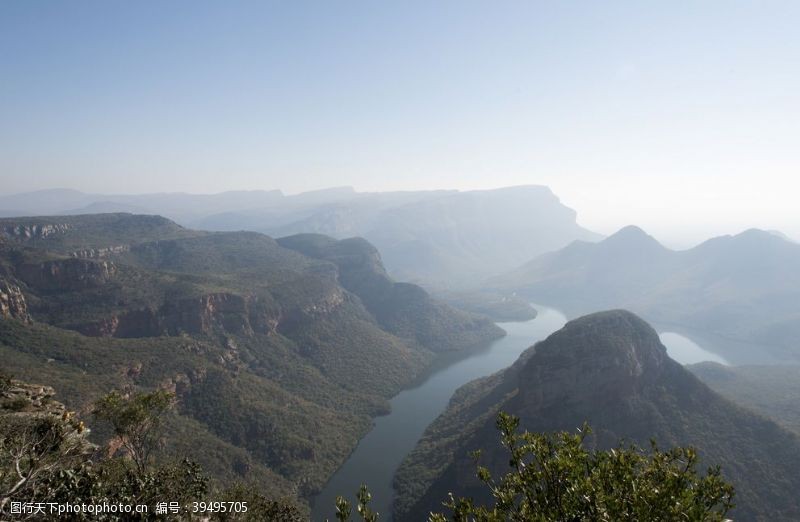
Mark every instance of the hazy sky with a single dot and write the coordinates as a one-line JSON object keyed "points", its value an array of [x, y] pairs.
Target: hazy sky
{"points": [[677, 116]]}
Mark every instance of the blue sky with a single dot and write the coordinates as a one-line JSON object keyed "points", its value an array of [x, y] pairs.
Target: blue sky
{"points": [[663, 114]]}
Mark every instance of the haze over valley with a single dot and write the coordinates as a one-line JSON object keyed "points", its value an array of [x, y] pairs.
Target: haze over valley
{"points": [[444, 262]]}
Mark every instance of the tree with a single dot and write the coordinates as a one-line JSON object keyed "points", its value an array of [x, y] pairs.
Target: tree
{"points": [[33, 448], [137, 421], [556, 478]]}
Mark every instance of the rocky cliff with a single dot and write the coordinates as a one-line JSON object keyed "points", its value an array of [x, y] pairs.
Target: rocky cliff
{"points": [[23, 404], [12, 302], [220, 312], [25, 232], [67, 274]]}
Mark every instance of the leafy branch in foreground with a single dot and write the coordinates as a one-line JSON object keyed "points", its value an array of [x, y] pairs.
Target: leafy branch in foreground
{"points": [[555, 477], [366, 514], [46, 459]]}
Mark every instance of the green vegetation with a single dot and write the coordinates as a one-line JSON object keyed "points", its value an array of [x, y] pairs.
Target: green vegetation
{"points": [[403, 309], [344, 510], [276, 367], [773, 391], [68, 234], [137, 421], [45, 457], [556, 477]]}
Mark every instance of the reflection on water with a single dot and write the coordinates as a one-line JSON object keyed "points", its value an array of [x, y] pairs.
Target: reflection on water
{"points": [[380, 452], [686, 351]]}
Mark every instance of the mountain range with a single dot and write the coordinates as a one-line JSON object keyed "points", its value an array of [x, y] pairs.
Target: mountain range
{"points": [[280, 353], [444, 239], [738, 294], [610, 370]]}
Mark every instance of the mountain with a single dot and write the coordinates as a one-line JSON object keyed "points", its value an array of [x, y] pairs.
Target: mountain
{"points": [[278, 367], [741, 288], [43, 202], [403, 309], [90, 235], [773, 391], [440, 238], [453, 238], [611, 370]]}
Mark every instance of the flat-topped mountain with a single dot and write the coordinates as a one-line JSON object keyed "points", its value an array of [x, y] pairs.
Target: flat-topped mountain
{"points": [[92, 235], [453, 238], [608, 369], [278, 358], [744, 287]]}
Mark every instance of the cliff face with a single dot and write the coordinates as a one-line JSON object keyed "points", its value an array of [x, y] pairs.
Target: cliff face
{"points": [[67, 274], [12, 302], [26, 232], [608, 369], [94, 253], [98, 293], [216, 312]]}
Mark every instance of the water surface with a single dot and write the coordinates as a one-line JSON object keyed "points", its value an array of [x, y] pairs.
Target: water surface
{"points": [[686, 351]]}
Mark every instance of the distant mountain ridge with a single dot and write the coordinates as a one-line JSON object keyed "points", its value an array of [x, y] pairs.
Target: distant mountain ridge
{"points": [[744, 287], [442, 238], [610, 370]]}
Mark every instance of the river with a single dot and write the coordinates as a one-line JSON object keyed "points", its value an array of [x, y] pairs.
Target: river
{"points": [[379, 453]]}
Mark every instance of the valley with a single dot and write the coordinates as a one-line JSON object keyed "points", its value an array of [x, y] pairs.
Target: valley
{"points": [[299, 364], [399, 261], [279, 360]]}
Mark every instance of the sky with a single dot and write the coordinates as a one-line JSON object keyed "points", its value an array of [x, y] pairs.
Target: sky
{"points": [[682, 117]]}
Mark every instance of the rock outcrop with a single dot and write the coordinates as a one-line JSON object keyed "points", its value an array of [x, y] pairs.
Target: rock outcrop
{"points": [[96, 253], [24, 405], [12, 302], [34, 231]]}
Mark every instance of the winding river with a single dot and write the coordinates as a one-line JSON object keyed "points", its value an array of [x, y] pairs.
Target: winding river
{"points": [[379, 453]]}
